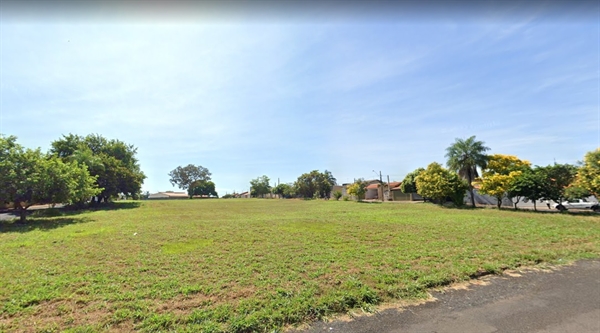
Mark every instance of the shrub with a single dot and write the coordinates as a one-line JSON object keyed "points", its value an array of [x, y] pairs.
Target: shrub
{"points": [[337, 195]]}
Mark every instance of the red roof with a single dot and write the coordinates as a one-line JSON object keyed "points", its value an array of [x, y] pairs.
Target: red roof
{"points": [[373, 186], [395, 184]]}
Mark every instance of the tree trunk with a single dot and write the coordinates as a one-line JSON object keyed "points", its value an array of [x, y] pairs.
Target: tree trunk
{"points": [[471, 189], [534, 207], [22, 213], [499, 202], [23, 216]]}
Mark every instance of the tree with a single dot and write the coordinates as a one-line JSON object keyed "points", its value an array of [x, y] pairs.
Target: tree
{"points": [[284, 190], [557, 178], [358, 189], [408, 185], [500, 172], [529, 184], [183, 177], [202, 187], [498, 185], [315, 183], [260, 186], [588, 175], [29, 177], [112, 162], [575, 191], [464, 157], [437, 183]]}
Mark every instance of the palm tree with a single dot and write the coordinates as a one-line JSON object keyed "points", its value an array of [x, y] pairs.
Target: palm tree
{"points": [[464, 156]]}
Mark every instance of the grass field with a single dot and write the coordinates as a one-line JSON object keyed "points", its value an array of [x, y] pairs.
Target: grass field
{"points": [[258, 265]]}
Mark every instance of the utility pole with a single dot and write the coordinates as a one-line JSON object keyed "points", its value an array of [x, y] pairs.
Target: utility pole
{"points": [[390, 190], [380, 183]]}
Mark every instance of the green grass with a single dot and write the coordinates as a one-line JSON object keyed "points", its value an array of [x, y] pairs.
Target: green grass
{"points": [[258, 265]]}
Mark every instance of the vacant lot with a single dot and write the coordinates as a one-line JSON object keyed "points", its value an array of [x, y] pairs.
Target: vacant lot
{"points": [[258, 265]]}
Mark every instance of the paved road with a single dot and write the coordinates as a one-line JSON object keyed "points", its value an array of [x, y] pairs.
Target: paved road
{"points": [[564, 301]]}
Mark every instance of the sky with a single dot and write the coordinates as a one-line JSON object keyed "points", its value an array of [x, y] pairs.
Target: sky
{"points": [[247, 89]]}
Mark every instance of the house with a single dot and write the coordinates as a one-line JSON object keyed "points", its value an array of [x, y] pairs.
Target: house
{"points": [[243, 195], [374, 191], [168, 195], [398, 195]]}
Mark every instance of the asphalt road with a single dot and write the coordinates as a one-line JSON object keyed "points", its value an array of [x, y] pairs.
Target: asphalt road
{"points": [[566, 300]]}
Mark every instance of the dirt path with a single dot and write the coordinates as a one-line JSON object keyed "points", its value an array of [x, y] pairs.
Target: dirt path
{"points": [[565, 300]]}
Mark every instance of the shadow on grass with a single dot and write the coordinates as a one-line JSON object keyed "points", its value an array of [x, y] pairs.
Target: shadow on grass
{"points": [[44, 224], [74, 210], [52, 218]]}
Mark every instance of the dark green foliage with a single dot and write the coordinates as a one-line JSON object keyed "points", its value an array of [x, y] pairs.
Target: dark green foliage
{"points": [[557, 178], [29, 177], [576, 192], [112, 162], [408, 184], [529, 184], [284, 190], [203, 188], [315, 184], [185, 176], [260, 186]]}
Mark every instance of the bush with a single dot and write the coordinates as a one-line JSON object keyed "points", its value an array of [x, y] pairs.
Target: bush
{"points": [[337, 195], [346, 198]]}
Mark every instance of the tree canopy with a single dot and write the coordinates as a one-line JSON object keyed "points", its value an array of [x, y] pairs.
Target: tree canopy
{"points": [[315, 184], [112, 162], [408, 184], [464, 157], [437, 184], [183, 177], [203, 188], [260, 186], [358, 189], [529, 185], [501, 171], [284, 190], [29, 177], [557, 179], [588, 175]]}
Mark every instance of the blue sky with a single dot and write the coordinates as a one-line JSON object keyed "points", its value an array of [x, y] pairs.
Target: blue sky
{"points": [[248, 91]]}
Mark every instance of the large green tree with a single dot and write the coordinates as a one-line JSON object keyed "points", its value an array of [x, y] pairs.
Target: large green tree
{"points": [[315, 184], [29, 177], [437, 184], [408, 184], [557, 178], [203, 187], [113, 162], [260, 186], [529, 184], [464, 157], [284, 190], [183, 177]]}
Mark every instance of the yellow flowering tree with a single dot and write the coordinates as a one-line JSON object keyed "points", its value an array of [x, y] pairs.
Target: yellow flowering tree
{"points": [[588, 175], [500, 172], [437, 183]]}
